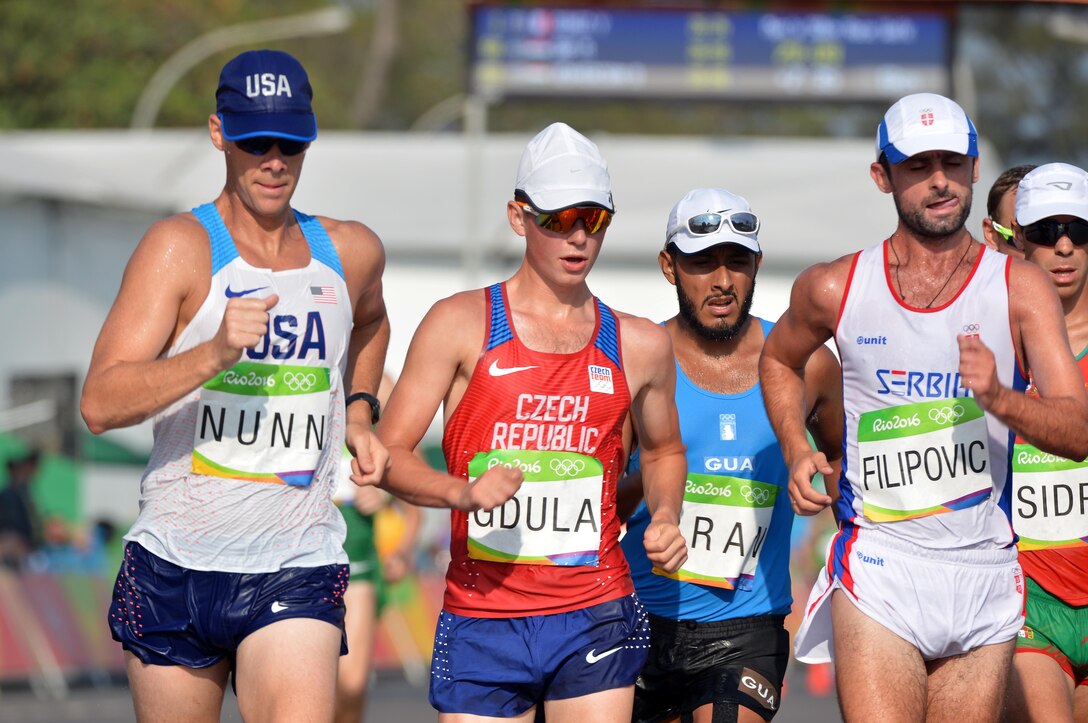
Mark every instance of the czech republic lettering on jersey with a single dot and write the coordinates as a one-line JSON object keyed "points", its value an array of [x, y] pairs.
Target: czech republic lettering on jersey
{"points": [[917, 443], [559, 419]]}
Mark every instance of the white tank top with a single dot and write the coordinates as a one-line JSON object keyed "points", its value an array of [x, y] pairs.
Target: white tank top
{"points": [[242, 469], [922, 460]]}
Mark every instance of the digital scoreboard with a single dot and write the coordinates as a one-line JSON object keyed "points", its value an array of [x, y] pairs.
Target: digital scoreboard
{"points": [[610, 52]]}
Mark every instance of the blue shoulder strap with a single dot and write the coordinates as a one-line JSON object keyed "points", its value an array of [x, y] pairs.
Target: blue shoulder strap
{"points": [[321, 247], [608, 336], [223, 250], [498, 331]]}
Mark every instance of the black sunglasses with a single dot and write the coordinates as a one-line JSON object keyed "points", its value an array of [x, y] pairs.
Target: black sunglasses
{"points": [[1048, 232], [259, 145]]}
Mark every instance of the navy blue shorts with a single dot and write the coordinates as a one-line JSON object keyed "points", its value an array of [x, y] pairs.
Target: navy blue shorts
{"points": [[502, 667], [169, 615]]}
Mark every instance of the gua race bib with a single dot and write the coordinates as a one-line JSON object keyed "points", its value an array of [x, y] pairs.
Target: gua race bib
{"points": [[1050, 499], [725, 522], [553, 519], [916, 460], [263, 423]]}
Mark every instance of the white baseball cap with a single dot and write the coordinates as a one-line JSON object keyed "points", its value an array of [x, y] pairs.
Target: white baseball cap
{"points": [[561, 168], [1054, 189], [706, 217], [925, 122]]}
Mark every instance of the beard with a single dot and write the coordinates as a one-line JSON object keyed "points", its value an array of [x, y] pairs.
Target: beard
{"points": [[722, 330], [917, 223]]}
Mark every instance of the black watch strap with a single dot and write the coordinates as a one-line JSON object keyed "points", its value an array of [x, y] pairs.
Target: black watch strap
{"points": [[375, 405]]}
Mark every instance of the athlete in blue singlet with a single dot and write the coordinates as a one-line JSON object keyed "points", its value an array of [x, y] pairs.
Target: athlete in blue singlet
{"points": [[718, 648]]}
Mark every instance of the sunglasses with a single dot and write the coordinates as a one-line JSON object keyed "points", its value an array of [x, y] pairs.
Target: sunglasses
{"points": [[260, 145], [1005, 232], [1048, 232], [703, 224], [593, 217]]}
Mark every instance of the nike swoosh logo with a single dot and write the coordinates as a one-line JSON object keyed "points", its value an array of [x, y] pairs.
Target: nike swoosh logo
{"points": [[277, 606], [591, 658], [496, 371], [243, 292]]}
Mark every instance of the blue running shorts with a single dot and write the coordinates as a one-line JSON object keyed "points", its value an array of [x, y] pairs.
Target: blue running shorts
{"points": [[169, 615], [502, 667]]}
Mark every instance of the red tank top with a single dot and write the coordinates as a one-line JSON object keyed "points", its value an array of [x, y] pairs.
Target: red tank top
{"points": [[559, 417], [1061, 571]]}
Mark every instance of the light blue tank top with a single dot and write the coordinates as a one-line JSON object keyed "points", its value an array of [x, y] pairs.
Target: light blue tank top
{"points": [[726, 434]]}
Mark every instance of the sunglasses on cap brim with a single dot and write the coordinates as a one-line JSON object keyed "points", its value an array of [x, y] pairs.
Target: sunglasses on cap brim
{"points": [[260, 145], [744, 223], [594, 218], [1048, 232]]}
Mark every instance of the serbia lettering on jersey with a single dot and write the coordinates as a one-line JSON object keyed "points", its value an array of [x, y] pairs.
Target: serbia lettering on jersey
{"points": [[559, 417], [1050, 515], [922, 458]]}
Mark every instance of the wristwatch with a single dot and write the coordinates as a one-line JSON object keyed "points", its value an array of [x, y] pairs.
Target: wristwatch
{"points": [[375, 405]]}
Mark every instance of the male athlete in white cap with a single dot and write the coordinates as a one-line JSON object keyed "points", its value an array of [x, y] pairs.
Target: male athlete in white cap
{"points": [[540, 382], [922, 596]]}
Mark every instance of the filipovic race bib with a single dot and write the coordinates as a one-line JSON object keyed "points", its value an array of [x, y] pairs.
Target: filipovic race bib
{"points": [[725, 522], [1050, 499], [553, 519], [263, 423], [929, 458]]}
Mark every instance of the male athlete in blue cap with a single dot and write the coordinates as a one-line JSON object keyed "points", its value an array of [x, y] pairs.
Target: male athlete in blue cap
{"points": [[253, 336]]}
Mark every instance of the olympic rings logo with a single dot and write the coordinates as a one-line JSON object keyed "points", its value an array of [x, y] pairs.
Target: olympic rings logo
{"points": [[754, 495], [567, 467], [971, 328], [300, 382], [946, 415]]}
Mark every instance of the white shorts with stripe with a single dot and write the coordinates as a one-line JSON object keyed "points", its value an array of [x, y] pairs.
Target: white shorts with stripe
{"points": [[943, 602]]}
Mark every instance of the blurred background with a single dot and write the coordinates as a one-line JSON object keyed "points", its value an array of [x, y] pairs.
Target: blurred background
{"points": [[424, 107]]}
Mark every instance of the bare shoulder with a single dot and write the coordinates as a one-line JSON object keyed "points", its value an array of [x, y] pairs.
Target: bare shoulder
{"points": [[360, 250], [457, 320], [1025, 280], [640, 331], [818, 292], [176, 246]]}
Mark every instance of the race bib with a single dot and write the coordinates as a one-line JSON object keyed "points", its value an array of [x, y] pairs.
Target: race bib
{"points": [[1050, 499], [262, 423], [917, 460], [725, 522], [553, 519]]}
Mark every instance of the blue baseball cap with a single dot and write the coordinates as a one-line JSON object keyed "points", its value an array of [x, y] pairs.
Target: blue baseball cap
{"points": [[265, 93]]}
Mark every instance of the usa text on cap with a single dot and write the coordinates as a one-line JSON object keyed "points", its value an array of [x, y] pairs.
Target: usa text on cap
{"points": [[265, 93]]}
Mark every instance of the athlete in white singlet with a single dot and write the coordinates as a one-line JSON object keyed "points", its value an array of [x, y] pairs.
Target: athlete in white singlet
{"points": [[252, 335], [922, 596]]}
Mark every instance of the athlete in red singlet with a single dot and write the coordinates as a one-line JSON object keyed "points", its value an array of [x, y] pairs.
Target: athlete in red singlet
{"points": [[1049, 507], [538, 379]]}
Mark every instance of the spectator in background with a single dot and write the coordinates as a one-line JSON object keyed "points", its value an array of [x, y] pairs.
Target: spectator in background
{"points": [[20, 522]]}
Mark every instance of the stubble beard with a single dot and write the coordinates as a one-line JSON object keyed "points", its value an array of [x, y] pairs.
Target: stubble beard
{"points": [[922, 227]]}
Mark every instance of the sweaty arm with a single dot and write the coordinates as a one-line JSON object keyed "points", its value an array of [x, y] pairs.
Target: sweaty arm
{"points": [[437, 368], [363, 260], [165, 282], [1057, 420], [823, 400], [803, 329], [651, 370]]}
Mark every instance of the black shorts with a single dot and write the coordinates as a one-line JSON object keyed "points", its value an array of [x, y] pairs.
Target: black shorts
{"points": [[740, 662]]}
